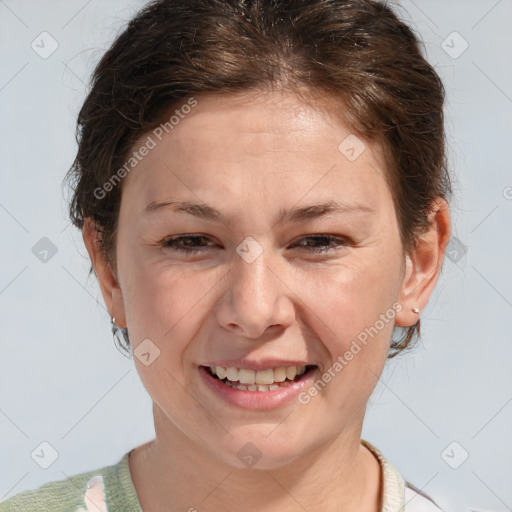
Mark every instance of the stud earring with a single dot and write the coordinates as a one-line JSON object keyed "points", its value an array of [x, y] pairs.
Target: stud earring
{"points": [[415, 310]]}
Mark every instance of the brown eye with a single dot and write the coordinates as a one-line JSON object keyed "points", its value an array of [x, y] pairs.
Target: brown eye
{"points": [[188, 244], [321, 243]]}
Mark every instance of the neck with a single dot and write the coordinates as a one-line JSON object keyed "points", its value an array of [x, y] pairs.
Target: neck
{"points": [[174, 473]]}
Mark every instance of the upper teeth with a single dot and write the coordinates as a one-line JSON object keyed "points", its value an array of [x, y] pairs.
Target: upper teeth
{"points": [[269, 376]]}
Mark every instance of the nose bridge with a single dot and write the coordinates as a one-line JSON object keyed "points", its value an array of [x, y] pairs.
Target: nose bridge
{"points": [[253, 277], [255, 298]]}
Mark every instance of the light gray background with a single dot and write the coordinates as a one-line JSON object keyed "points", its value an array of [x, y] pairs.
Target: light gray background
{"points": [[63, 381]]}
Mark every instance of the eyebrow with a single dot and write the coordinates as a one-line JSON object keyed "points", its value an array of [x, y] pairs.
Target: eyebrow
{"points": [[297, 214]]}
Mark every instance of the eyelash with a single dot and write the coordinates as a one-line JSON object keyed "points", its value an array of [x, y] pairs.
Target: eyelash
{"points": [[172, 242]]}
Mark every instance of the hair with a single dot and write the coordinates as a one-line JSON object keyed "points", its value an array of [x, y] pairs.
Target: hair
{"points": [[357, 54]]}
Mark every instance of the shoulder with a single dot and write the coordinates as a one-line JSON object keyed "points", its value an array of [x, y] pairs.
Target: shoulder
{"points": [[417, 501], [68, 495], [84, 492]]}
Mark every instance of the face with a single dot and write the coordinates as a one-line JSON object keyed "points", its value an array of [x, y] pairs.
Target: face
{"points": [[249, 238]]}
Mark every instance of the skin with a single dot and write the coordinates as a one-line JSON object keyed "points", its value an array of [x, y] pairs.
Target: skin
{"points": [[250, 156]]}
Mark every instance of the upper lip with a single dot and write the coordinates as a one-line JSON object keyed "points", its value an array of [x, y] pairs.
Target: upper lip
{"points": [[256, 365]]}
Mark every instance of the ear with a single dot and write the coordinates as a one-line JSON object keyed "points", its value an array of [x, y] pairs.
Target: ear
{"points": [[423, 264], [109, 285]]}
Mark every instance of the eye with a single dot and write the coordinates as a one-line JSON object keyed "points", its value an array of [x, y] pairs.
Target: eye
{"points": [[195, 244], [321, 243], [187, 244]]}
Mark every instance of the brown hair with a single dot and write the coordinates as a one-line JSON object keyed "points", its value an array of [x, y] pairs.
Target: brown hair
{"points": [[355, 53]]}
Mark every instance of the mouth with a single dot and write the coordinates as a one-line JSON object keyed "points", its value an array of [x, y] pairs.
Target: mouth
{"points": [[270, 379]]}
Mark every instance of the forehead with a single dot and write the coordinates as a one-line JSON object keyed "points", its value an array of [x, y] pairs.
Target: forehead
{"points": [[248, 124], [263, 145]]}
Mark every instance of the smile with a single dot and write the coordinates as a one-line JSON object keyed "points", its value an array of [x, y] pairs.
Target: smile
{"points": [[245, 379], [258, 389]]}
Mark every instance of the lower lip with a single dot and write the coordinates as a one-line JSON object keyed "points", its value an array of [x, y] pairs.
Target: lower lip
{"points": [[258, 400]]}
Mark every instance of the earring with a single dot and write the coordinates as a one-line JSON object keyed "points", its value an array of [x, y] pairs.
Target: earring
{"points": [[415, 310], [121, 340]]}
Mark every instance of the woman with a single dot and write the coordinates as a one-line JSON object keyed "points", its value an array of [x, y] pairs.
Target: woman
{"points": [[261, 188]]}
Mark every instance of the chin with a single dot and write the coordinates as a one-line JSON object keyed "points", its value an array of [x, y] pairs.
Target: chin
{"points": [[254, 448]]}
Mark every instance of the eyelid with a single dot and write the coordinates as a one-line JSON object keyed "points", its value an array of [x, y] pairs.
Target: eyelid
{"points": [[328, 236]]}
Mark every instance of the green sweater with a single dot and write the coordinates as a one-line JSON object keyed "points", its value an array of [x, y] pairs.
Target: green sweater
{"points": [[111, 489]]}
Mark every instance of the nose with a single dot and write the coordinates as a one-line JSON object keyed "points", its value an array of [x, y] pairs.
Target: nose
{"points": [[256, 298]]}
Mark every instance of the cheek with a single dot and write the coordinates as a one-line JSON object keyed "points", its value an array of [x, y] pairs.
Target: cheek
{"points": [[352, 315], [166, 304], [168, 307], [354, 303]]}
